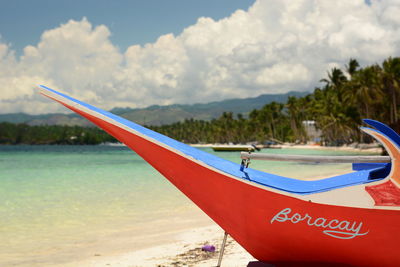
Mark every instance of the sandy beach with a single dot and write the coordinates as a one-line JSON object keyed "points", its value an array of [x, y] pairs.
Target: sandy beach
{"points": [[184, 247], [183, 250], [124, 215], [361, 148]]}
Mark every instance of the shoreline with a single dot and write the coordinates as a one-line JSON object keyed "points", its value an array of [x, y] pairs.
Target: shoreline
{"points": [[366, 149], [361, 148], [183, 250]]}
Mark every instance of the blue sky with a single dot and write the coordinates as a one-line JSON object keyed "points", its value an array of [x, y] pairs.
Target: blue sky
{"points": [[140, 53], [131, 22]]}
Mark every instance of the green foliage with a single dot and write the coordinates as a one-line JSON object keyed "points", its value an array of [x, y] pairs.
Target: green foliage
{"points": [[12, 134]]}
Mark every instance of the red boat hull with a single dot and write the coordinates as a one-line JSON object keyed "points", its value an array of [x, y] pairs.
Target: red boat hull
{"points": [[272, 225], [245, 211]]}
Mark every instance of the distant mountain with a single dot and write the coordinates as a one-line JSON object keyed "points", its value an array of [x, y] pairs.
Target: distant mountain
{"points": [[158, 115], [49, 119]]}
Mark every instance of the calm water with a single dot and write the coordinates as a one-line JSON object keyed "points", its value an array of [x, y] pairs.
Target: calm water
{"points": [[57, 200]]}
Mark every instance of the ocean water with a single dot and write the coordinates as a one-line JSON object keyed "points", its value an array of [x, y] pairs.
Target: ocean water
{"points": [[63, 203]]}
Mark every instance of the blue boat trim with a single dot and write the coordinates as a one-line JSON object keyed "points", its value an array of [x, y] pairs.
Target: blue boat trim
{"points": [[290, 185], [383, 128], [367, 166]]}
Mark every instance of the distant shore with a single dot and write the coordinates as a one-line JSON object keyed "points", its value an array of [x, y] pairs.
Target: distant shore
{"points": [[362, 148]]}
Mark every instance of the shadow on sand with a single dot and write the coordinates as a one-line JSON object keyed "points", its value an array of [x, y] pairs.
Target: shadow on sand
{"points": [[295, 264]]}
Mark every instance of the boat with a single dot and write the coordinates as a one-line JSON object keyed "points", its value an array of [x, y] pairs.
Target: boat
{"points": [[234, 148], [351, 219]]}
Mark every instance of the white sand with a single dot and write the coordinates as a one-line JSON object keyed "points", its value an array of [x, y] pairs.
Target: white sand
{"points": [[183, 250], [375, 149]]}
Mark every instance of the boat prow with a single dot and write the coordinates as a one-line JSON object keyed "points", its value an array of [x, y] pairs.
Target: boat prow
{"points": [[234, 148], [275, 218]]}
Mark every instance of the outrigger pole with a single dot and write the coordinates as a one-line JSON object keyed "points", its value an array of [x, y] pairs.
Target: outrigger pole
{"points": [[328, 159], [221, 251]]}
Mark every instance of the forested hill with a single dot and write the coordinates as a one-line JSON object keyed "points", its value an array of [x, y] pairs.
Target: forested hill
{"points": [[158, 115]]}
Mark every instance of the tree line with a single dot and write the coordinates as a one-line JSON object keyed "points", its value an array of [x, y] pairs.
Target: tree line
{"points": [[337, 107], [12, 134]]}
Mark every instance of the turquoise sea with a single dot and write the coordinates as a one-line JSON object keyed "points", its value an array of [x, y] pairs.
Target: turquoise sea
{"points": [[63, 203]]}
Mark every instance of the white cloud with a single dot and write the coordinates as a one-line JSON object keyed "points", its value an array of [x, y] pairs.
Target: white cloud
{"points": [[274, 47]]}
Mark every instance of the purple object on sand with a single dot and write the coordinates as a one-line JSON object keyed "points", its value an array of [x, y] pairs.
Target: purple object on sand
{"points": [[208, 248]]}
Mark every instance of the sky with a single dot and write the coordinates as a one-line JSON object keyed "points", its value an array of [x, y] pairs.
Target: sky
{"points": [[141, 53], [129, 21]]}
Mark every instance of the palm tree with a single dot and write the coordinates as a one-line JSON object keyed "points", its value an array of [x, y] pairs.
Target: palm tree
{"points": [[335, 81], [351, 68], [365, 89], [295, 107], [391, 83]]}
